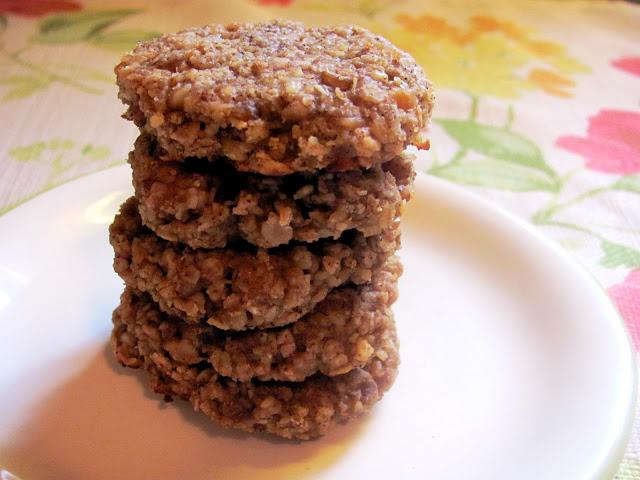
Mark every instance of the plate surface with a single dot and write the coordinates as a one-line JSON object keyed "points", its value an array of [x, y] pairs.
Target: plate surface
{"points": [[515, 364]]}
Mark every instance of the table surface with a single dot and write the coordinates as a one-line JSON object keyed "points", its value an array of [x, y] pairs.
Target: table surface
{"points": [[538, 106]]}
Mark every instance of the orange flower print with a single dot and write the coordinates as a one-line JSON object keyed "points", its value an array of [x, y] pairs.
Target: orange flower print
{"points": [[279, 3], [551, 82], [487, 57], [37, 8]]}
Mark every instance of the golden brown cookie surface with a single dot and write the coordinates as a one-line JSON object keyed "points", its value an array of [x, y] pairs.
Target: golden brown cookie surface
{"points": [[276, 97]]}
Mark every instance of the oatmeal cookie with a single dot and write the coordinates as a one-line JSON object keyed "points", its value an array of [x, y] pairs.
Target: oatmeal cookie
{"points": [[342, 333], [206, 205], [301, 410], [242, 287], [277, 98]]}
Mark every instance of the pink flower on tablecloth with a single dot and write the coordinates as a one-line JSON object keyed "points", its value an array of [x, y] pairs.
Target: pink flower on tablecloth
{"points": [[37, 8], [628, 64], [612, 144], [626, 296]]}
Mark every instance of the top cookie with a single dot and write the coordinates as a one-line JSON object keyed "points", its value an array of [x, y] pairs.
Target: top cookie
{"points": [[277, 98]]}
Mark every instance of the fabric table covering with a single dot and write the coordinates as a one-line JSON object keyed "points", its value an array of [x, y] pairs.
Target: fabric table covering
{"points": [[538, 106]]}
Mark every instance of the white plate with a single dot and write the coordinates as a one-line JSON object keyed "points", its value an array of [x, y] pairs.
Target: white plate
{"points": [[515, 364]]}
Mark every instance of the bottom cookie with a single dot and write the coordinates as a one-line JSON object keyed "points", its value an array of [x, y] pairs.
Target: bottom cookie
{"points": [[301, 410]]}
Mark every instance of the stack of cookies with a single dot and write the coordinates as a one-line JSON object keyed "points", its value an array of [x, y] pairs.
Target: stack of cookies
{"points": [[259, 250]]}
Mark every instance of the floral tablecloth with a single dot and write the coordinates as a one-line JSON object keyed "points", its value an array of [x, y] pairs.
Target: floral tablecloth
{"points": [[538, 106]]}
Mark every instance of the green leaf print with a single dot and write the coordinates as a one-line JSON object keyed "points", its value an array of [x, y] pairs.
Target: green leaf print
{"points": [[122, 40], [617, 255], [21, 86], [34, 151], [78, 71], [28, 153], [92, 153], [65, 159], [78, 26], [495, 174], [497, 143], [628, 183], [60, 144], [66, 28]]}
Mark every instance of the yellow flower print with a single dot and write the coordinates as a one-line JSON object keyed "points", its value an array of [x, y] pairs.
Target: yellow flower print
{"points": [[489, 57], [550, 52]]}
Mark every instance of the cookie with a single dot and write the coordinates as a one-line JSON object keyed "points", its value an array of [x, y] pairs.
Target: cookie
{"points": [[341, 333], [301, 410], [242, 287], [207, 205], [277, 97]]}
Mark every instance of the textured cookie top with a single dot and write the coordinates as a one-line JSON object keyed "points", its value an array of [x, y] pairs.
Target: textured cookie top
{"points": [[277, 97]]}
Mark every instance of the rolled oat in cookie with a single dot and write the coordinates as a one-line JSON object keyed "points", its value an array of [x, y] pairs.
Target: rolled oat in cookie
{"points": [[301, 410], [343, 332], [242, 287], [277, 97], [206, 205]]}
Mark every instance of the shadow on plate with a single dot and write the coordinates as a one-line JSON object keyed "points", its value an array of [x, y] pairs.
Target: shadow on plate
{"points": [[104, 423]]}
